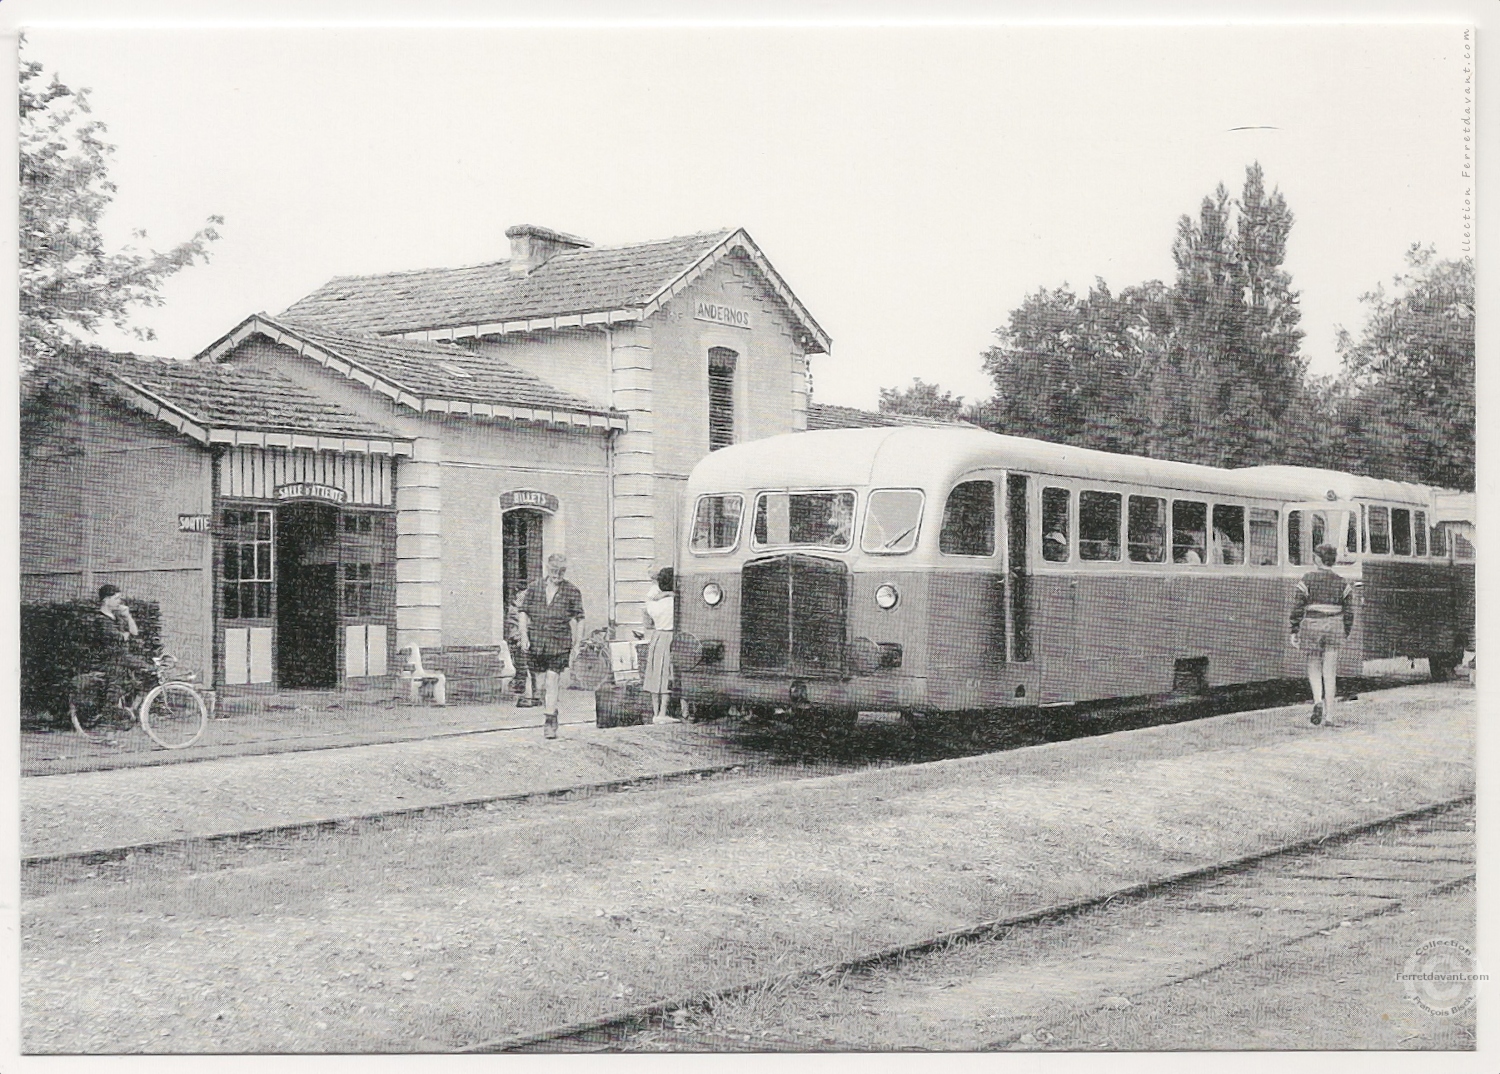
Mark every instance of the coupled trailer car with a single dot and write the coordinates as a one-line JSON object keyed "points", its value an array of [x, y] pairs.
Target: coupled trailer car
{"points": [[929, 570]]}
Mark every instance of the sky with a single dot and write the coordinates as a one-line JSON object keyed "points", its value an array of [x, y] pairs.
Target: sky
{"points": [[912, 184]]}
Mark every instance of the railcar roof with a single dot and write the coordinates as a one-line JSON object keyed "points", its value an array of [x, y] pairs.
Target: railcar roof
{"points": [[926, 457]]}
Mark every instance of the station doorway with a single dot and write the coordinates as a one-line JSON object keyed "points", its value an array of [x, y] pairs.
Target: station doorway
{"points": [[307, 605], [521, 536]]}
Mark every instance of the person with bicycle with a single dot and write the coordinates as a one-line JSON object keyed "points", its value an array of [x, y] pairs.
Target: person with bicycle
{"points": [[127, 674]]}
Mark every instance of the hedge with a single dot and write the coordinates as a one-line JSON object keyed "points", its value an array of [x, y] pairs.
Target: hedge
{"points": [[61, 640]]}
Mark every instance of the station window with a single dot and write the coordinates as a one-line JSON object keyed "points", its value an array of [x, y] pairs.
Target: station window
{"points": [[822, 519], [1379, 523], [969, 520], [1419, 533], [1263, 537], [716, 526], [1099, 525], [247, 564], [893, 518], [1229, 534], [1057, 524], [1147, 529], [721, 362], [1401, 531], [359, 590], [1189, 531]]}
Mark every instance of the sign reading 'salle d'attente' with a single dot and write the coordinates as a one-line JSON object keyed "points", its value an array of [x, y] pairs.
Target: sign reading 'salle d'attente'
{"points": [[307, 490], [712, 311]]}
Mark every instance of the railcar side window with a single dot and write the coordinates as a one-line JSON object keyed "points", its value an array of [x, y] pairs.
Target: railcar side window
{"points": [[1263, 537], [1439, 542], [1379, 522], [1099, 525], [1189, 531], [1463, 545], [1419, 533], [1147, 529], [1229, 534], [892, 519], [969, 520], [820, 519], [716, 526], [1401, 531], [1351, 542], [1057, 524]]}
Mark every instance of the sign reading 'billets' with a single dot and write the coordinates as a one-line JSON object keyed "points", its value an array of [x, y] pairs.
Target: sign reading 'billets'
{"points": [[541, 501], [712, 311], [307, 490]]}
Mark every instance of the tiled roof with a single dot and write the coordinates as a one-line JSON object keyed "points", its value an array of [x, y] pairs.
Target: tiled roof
{"points": [[829, 416], [596, 285], [429, 377], [229, 397], [597, 279]]}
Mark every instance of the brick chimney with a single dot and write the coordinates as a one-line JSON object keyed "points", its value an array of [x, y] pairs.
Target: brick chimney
{"points": [[532, 246]]}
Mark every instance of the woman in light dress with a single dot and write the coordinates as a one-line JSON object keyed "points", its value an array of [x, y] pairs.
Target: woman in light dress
{"points": [[659, 620]]}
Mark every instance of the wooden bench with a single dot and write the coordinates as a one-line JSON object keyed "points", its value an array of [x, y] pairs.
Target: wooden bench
{"points": [[472, 673]]}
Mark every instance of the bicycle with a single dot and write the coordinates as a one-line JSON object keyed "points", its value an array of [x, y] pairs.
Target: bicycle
{"points": [[173, 712]]}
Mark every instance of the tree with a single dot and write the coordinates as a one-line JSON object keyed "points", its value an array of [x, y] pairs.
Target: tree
{"points": [[1236, 345], [1408, 408], [1208, 370], [1079, 370], [922, 399], [68, 282]]}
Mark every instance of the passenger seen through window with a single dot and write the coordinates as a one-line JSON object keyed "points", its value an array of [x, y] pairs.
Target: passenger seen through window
{"points": [[1229, 534], [1099, 525], [1189, 531], [1057, 524], [819, 519], [1147, 527]]}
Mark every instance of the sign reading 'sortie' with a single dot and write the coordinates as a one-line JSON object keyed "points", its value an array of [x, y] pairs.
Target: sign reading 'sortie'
{"points": [[712, 311]]}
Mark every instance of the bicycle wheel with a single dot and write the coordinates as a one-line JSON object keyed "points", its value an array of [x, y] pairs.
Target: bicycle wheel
{"points": [[174, 715]]}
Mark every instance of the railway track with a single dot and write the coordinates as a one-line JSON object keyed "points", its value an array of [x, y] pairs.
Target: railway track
{"points": [[831, 753], [617, 1031]]}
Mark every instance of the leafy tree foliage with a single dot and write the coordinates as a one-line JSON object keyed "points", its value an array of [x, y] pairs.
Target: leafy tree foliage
{"points": [[1407, 407], [1208, 370], [69, 283], [922, 399], [1078, 370]]}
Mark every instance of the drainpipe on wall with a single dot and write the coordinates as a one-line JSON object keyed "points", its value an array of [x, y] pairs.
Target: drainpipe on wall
{"points": [[609, 522]]}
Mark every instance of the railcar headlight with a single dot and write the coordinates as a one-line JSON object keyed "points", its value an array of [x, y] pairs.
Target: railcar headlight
{"points": [[712, 594], [886, 596]]}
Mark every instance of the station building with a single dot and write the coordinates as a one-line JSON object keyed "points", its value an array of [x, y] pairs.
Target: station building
{"points": [[389, 461]]}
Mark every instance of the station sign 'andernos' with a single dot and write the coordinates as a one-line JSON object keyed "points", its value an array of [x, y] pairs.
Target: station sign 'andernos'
{"points": [[539, 501], [717, 314]]}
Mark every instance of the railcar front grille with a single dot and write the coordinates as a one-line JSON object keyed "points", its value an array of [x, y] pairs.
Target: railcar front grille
{"points": [[794, 614]]}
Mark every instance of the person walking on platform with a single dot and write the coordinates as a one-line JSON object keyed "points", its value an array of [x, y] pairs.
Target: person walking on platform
{"points": [[1322, 616], [658, 618], [551, 628]]}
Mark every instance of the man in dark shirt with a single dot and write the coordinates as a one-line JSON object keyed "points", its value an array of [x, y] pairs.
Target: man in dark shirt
{"points": [[1322, 616], [551, 628]]}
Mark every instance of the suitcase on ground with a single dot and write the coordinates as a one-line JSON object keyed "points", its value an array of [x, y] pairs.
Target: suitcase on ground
{"points": [[621, 706]]}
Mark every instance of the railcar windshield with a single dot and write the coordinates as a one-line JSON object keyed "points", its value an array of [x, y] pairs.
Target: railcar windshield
{"points": [[806, 519], [716, 524], [893, 519]]}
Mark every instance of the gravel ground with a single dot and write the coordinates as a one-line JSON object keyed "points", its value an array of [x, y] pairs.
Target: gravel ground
{"points": [[444, 933]]}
